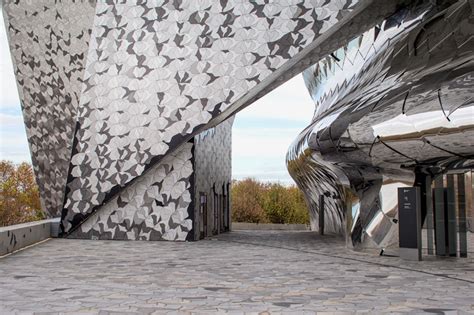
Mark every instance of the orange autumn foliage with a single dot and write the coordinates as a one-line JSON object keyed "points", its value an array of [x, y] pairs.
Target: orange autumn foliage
{"points": [[19, 194], [257, 202]]}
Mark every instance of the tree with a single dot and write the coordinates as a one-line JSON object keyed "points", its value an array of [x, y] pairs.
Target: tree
{"points": [[19, 194]]}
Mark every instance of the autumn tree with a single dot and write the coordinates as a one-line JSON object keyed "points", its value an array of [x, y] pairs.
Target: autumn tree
{"points": [[19, 194]]}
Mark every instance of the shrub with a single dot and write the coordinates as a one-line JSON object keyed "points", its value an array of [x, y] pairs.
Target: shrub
{"points": [[256, 202], [247, 201]]}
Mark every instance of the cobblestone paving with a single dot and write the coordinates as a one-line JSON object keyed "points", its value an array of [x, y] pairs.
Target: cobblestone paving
{"points": [[258, 271]]}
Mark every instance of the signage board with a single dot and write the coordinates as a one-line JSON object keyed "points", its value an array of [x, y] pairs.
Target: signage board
{"points": [[409, 222]]}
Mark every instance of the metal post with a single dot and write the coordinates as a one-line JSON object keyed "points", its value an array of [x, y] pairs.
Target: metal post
{"points": [[440, 236], [462, 224], [321, 214], [429, 214], [450, 216]]}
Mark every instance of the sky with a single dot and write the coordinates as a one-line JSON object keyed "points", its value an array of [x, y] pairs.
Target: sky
{"points": [[261, 136]]}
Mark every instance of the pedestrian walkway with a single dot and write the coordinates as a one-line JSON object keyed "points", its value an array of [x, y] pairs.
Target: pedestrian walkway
{"points": [[245, 271]]}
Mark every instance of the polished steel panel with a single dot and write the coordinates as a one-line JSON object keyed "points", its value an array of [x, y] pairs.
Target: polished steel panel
{"points": [[393, 102]]}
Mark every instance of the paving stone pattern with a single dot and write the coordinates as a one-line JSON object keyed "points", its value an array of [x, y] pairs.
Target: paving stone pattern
{"points": [[247, 271]]}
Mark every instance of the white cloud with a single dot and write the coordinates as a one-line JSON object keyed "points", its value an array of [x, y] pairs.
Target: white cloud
{"points": [[14, 146], [278, 174], [9, 92], [7, 120], [260, 147], [291, 101], [264, 131], [13, 143]]}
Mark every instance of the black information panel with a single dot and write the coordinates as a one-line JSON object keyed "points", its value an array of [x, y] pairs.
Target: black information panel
{"points": [[409, 217]]}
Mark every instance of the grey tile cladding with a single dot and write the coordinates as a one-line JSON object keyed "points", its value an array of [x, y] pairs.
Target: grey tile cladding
{"points": [[157, 72], [48, 43]]}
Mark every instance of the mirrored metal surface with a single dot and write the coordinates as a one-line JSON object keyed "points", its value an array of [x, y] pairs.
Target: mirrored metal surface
{"points": [[393, 102]]}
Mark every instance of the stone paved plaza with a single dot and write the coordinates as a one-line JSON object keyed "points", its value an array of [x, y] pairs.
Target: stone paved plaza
{"points": [[243, 271]]}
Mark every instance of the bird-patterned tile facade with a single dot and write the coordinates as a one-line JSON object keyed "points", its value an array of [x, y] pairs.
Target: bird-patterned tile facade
{"points": [[48, 43], [157, 206], [159, 71]]}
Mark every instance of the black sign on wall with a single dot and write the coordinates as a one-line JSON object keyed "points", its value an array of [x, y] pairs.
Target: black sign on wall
{"points": [[409, 222]]}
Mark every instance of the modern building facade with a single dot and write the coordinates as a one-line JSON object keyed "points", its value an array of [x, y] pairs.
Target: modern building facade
{"points": [[129, 105], [184, 197]]}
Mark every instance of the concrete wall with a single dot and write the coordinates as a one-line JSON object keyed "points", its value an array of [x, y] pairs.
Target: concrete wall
{"points": [[268, 226], [17, 236]]}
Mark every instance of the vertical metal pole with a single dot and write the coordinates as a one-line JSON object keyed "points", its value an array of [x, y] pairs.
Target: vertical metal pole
{"points": [[321, 214], [440, 236], [450, 216], [429, 214], [461, 196], [469, 201], [229, 206]]}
